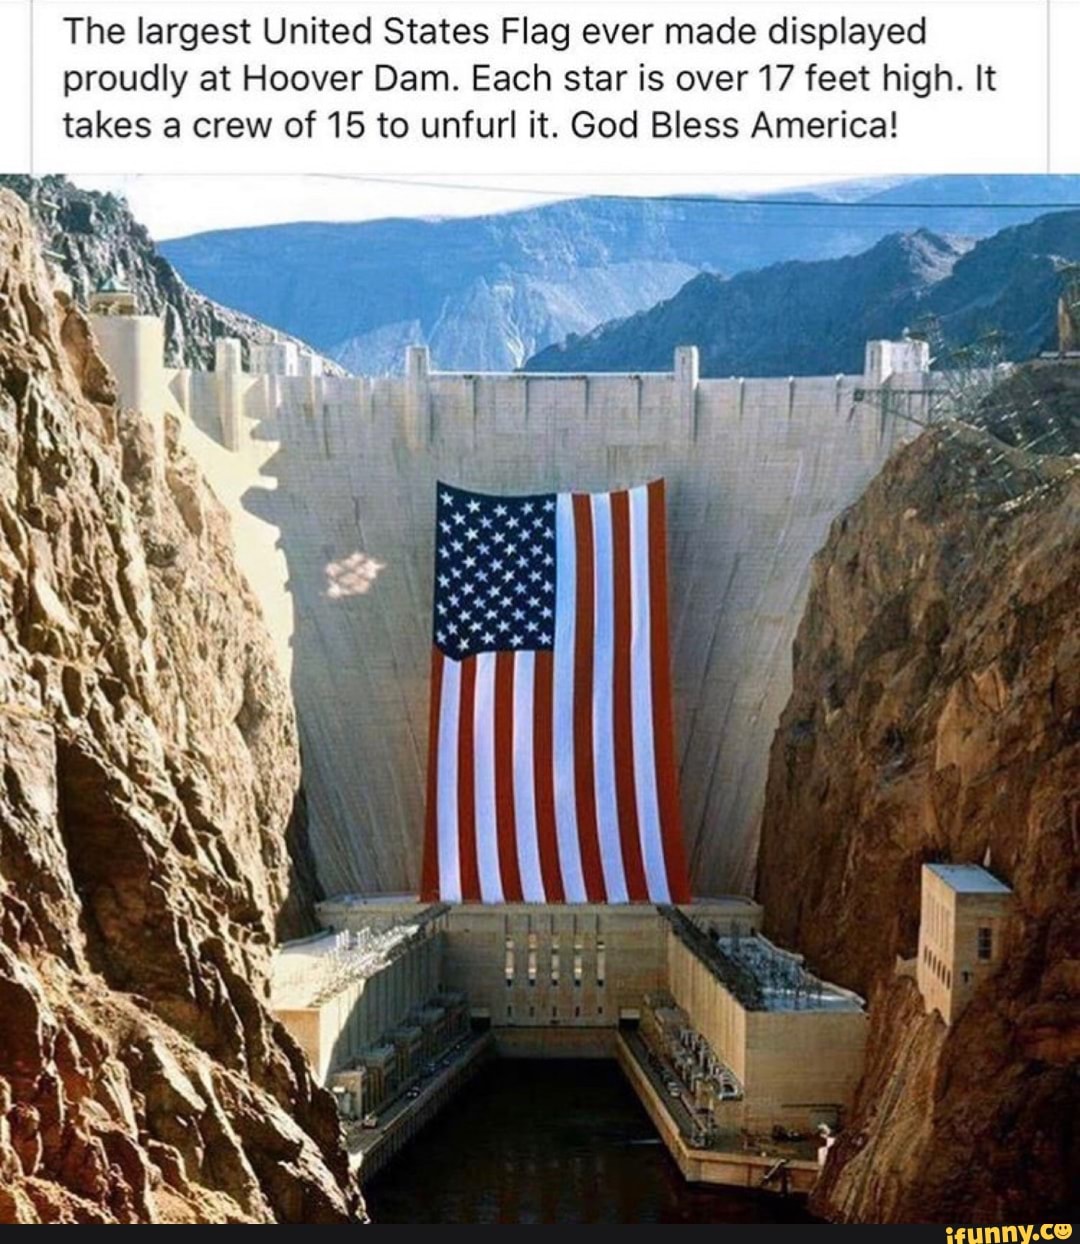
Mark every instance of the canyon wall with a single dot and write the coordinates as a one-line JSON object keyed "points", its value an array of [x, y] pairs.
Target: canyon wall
{"points": [[150, 845], [935, 715]]}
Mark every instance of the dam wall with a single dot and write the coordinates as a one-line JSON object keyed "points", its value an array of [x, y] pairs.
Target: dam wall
{"points": [[331, 482]]}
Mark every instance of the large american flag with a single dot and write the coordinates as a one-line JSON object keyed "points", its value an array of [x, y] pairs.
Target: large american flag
{"points": [[551, 768]]}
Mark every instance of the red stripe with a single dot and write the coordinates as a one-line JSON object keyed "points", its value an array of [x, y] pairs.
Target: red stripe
{"points": [[504, 777], [429, 874], [663, 726], [584, 766], [622, 702], [544, 774], [470, 873]]}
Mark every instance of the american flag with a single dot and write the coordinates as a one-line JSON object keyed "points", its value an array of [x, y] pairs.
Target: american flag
{"points": [[551, 768]]}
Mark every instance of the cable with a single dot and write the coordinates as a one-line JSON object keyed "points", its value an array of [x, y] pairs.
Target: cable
{"points": [[718, 200]]}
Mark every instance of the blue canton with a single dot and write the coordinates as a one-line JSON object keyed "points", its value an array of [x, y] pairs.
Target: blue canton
{"points": [[494, 573]]}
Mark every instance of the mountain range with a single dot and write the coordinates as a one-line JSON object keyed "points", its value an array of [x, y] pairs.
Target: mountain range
{"points": [[814, 318], [491, 292]]}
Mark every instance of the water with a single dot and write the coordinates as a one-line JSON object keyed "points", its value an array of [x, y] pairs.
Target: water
{"points": [[551, 1142]]}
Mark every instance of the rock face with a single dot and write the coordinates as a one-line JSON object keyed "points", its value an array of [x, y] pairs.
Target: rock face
{"points": [[936, 716], [93, 236], [149, 763]]}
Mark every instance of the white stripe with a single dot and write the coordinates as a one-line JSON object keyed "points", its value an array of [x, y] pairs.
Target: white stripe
{"points": [[566, 827], [487, 830], [447, 802], [603, 721], [528, 845], [648, 804]]}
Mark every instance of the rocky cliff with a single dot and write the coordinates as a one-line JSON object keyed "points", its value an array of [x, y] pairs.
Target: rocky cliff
{"points": [[150, 766], [92, 237], [936, 716]]}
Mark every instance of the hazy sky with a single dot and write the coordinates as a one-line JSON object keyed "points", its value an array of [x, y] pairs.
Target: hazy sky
{"points": [[173, 206]]}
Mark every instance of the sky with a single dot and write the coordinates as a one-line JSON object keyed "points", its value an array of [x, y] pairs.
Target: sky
{"points": [[174, 206]]}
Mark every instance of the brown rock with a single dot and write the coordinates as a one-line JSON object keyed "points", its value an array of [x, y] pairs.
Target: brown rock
{"points": [[936, 716], [150, 774]]}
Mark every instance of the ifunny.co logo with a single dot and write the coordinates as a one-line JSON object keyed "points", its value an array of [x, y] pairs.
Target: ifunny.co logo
{"points": [[1008, 1235]]}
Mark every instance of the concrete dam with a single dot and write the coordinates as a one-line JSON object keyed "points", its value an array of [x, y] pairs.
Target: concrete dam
{"points": [[331, 485]]}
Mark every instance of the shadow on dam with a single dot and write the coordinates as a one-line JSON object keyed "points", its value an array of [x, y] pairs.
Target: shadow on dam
{"points": [[552, 1142]]}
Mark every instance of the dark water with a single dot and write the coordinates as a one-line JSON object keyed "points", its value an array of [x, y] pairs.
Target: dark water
{"points": [[551, 1142]]}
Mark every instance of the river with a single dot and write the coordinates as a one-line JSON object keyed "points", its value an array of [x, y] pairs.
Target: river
{"points": [[551, 1142]]}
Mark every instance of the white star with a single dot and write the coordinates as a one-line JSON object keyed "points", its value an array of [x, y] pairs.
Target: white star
{"points": [[511, 522], [454, 600], [523, 563], [440, 609], [469, 563], [464, 616], [530, 626], [481, 576], [545, 639], [441, 636], [485, 522], [504, 625], [452, 628], [497, 564], [474, 505], [448, 499], [549, 505], [511, 549], [527, 508], [458, 517], [535, 577], [444, 526], [500, 511], [455, 571], [518, 615], [534, 602], [545, 613], [549, 560], [549, 587], [472, 534], [468, 589], [443, 581], [457, 546], [519, 588], [487, 638], [536, 550], [515, 640], [498, 537]]}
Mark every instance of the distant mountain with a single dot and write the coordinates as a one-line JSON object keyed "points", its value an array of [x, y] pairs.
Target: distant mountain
{"points": [[92, 236], [814, 318], [489, 292]]}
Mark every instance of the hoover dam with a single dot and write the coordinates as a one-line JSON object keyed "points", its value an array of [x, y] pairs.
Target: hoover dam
{"points": [[331, 484]]}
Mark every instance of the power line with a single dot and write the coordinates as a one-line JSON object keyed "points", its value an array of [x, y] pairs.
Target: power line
{"points": [[721, 200]]}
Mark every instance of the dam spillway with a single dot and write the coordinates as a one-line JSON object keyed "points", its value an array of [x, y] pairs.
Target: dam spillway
{"points": [[331, 485]]}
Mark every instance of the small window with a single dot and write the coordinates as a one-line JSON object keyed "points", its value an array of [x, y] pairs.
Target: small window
{"points": [[509, 961], [601, 962], [509, 1012], [986, 943], [577, 1012], [532, 958]]}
